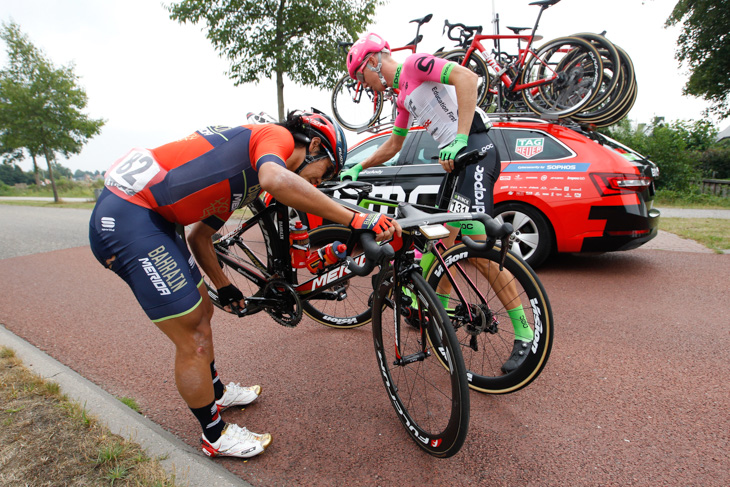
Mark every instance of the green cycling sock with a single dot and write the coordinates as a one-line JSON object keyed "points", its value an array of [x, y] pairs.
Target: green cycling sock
{"points": [[519, 322]]}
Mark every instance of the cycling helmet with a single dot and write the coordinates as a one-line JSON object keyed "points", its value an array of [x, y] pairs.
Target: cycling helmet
{"points": [[366, 45], [319, 124]]}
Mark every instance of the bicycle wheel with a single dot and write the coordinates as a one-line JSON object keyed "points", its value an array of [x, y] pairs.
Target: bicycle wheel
{"points": [[482, 325], [611, 62], [242, 253], [477, 65], [577, 70], [354, 106], [349, 304], [430, 399]]}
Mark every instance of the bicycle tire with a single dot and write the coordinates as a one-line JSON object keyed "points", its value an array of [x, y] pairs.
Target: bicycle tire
{"points": [[476, 65], [579, 69], [355, 111], [348, 305], [491, 329], [625, 99], [430, 396], [611, 61]]}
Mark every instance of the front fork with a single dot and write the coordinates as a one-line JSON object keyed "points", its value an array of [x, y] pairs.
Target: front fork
{"points": [[405, 313]]}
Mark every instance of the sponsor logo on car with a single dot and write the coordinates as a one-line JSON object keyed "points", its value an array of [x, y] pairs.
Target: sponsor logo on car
{"points": [[528, 148]]}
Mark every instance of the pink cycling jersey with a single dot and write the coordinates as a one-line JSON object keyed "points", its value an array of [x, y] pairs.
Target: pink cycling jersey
{"points": [[425, 96]]}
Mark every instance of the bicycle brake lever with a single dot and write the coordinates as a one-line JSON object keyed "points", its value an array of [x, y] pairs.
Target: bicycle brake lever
{"points": [[505, 243]]}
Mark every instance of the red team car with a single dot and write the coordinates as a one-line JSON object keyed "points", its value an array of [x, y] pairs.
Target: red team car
{"points": [[562, 188]]}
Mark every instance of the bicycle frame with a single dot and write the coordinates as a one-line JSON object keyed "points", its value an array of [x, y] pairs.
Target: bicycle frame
{"points": [[280, 265], [501, 71]]}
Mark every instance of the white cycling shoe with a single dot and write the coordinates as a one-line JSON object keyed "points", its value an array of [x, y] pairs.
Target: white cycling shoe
{"points": [[236, 441], [237, 395]]}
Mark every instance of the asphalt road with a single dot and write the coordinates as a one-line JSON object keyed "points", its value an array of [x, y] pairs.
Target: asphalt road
{"points": [[635, 392], [26, 230]]}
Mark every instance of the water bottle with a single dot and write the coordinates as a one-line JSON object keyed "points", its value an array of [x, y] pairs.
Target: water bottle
{"points": [[326, 256], [299, 245]]}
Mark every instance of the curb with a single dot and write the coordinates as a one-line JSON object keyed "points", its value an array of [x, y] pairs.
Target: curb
{"points": [[178, 458]]}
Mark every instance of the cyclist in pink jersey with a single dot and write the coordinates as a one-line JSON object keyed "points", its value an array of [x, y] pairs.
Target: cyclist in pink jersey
{"points": [[441, 97]]}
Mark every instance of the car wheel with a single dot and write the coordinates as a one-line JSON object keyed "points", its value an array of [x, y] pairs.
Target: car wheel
{"points": [[534, 238]]}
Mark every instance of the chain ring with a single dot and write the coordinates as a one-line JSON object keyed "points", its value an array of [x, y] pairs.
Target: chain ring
{"points": [[289, 314]]}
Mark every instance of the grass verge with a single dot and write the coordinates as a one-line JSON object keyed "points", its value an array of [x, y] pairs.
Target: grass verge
{"points": [[47, 439], [713, 233]]}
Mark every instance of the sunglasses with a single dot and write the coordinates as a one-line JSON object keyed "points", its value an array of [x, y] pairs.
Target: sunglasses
{"points": [[329, 172], [360, 73]]}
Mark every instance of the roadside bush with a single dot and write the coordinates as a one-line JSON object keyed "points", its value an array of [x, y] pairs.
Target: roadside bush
{"points": [[715, 162]]}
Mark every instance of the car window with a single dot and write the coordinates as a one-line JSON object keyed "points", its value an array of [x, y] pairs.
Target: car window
{"points": [[427, 151], [532, 145], [362, 152]]}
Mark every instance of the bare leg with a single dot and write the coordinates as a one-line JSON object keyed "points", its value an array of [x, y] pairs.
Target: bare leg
{"points": [[501, 282], [192, 336]]}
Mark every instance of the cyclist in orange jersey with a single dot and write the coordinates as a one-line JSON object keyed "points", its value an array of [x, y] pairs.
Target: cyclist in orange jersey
{"points": [[200, 180]]}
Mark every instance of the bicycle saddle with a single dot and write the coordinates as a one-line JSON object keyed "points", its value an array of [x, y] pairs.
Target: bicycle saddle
{"points": [[517, 31], [422, 20], [545, 3]]}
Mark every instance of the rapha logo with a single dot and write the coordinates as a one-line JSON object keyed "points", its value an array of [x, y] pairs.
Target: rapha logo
{"points": [[107, 224]]}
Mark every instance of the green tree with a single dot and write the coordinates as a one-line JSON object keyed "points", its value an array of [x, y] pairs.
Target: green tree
{"points": [[677, 148], [11, 174], [262, 38], [704, 47], [40, 105]]}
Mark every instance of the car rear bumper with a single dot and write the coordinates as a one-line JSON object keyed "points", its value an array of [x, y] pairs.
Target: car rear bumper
{"points": [[627, 227]]}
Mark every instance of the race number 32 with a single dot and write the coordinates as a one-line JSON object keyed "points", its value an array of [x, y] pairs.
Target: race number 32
{"points": [[132, 172]]}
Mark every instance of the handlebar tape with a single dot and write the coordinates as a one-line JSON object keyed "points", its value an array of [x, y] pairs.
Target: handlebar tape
{"points": [[374, 254]]}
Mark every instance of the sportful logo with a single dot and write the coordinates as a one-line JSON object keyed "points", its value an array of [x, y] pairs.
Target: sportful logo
{"points": [[528, 148], [107, 224]]}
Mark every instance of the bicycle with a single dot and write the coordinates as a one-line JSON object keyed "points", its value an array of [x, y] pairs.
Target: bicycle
{"points": [[419, 360], [475, 307], [358, 108], [559, 79]]}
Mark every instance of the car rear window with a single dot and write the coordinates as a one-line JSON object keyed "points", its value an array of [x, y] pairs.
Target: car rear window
{"points": [[532, 145], [427, 151]]}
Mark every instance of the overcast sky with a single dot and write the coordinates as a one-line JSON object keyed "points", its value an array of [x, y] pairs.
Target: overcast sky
{"points": [[154, 80]]}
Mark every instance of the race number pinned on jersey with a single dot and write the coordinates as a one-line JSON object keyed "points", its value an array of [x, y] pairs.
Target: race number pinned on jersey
{"points": [[133, 172]]}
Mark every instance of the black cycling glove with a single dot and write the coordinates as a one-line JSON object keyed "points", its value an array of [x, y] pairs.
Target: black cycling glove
{"points": [[229, 294]]}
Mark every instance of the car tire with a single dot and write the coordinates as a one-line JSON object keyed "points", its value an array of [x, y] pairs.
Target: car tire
{"points": [[534, 234]]}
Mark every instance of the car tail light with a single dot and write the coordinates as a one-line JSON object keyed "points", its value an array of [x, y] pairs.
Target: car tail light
{"points": [[610, 184]]}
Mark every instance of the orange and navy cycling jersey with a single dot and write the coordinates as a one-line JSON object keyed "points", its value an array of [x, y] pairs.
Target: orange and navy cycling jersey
{"points": [[202, 177]]}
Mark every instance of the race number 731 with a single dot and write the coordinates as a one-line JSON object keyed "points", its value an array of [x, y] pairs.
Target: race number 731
{"points": [[132, 172]]}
